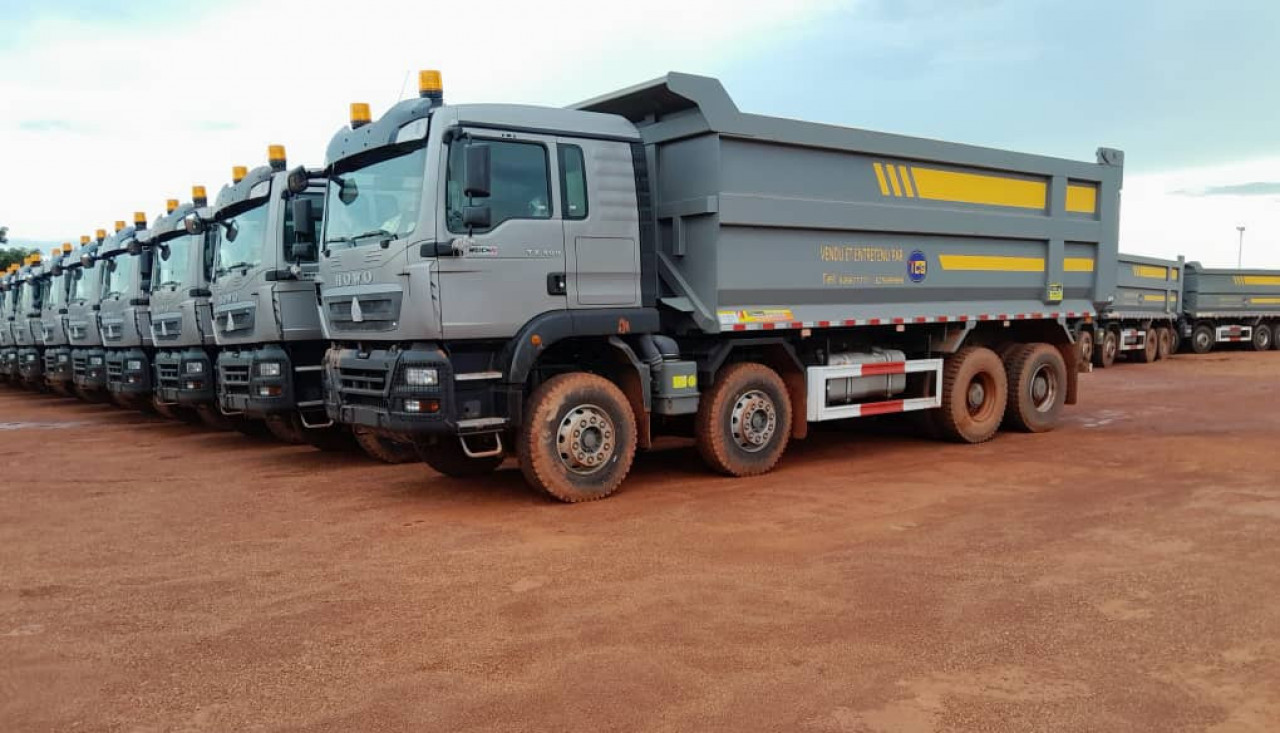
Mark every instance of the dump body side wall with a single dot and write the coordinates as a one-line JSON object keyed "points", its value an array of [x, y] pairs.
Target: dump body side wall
{"points": [[1222, 293], [1147, 288]]}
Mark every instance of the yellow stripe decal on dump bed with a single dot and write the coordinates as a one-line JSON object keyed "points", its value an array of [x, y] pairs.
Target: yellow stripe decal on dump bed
{"points": [[1077, 264], [1256, 279], [991, 263], [976, 188], [884, 185], [1154, 298], [1149, 271], [1082, 199], [1264, 301], [1174, 275]]}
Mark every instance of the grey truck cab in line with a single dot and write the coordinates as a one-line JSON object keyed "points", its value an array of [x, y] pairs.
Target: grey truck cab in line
{"points": [[53, 322], [563, 285], [8, 305], [264, 315], [26, 324], [84, 300], [124, 316]]}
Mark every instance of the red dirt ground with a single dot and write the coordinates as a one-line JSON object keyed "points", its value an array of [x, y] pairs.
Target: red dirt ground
{"points": [[1120, 574]]}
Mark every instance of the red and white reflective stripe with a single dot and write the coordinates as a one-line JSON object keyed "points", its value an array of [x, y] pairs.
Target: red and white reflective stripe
{"points": [[874, 369], [888, 407], [816, 379], [899, 321]]}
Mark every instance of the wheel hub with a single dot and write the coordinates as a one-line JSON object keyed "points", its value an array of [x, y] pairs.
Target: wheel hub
{"points": [[754, 421], [977, 394], [1044, 388], [584, 439]]}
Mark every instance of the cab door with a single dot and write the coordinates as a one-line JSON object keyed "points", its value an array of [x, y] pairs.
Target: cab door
{"points": [[502, 276]]}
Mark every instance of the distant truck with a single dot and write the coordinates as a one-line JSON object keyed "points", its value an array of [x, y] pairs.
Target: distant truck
{"points": [[1230, 306], [26, 323], [8, 306], [563, 285], [84, 296], [124, 316], [265, 318], [1142, 321], [53, 322]]}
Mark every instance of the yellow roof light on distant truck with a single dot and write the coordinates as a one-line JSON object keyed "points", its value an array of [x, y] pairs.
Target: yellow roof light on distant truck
{"points": [[430, 84], [198, 196], [238, 172], [276, 157], [360, 115], [100, 234], [84, 239], [139, 219], [119, 225], [170, 205]]}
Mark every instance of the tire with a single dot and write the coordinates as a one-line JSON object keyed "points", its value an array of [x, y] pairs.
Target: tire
{"points": [[286, 428], [1084, 346], [1262, 337], [578, 411], [1202, 339], [213, 418], [249, 427], [744, 421], [333, 439], [1164, 338], [447, 457], [382, 448], [975, 392], [1150, 349], [1037, 388], [1105, 355]]}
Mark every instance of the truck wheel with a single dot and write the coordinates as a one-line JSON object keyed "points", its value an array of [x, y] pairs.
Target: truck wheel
{"points": [[286, 428], [1105, 355], [247, 426], [1202, 340], [1084, 346], [1037, 388], [579, 437], [333, 439], [1150, 349], [975, 392], [1262, 338], [1164, 339], [447, 457], [382, 448], [212, 417], [744, 420]]}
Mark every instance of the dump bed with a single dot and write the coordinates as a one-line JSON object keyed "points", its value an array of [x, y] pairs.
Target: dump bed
{"points": [[1231, 293], [1147, 287], [771, 222]]}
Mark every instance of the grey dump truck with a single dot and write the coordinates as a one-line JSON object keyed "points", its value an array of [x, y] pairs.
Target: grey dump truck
{"points": [[53, 322], [124, 316], [26, 327], [566, 284], [182, 313], [1141, 321], [1230, 306], [265, 319], [8, 347], [84, 298]]}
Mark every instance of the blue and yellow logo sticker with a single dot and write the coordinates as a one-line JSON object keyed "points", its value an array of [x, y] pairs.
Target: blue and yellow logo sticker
{"points": [[917, 266]]}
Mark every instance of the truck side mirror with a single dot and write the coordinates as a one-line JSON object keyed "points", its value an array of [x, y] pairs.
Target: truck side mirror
{"points": [[476, 217], [193, 223], [297, 180], [476, 185]]}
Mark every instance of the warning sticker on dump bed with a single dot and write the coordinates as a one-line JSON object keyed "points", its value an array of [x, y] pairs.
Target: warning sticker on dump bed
{"points": [[763, 315]]}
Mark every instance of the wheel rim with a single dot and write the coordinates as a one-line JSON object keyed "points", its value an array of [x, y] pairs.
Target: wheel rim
{"points": [[1109, 347], [585, 440], [754, 421], [1086, 346], [1202, 340], [979, 396], [1264, 339], [1044, 388]]}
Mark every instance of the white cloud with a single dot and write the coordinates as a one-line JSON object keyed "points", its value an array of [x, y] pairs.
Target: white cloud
{"points": [[102, 122], [1164, 215]]}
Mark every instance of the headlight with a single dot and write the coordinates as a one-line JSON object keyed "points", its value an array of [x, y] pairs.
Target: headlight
{"points": [[195, 367], [269, 369], [62, 359], [421, 377], [95, 361], [133, 365]]}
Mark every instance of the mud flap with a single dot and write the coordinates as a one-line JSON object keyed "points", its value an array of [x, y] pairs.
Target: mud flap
{"points": [[1071, 356]]}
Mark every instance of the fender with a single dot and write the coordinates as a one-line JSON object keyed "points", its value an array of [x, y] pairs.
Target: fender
{"points": [[520, 353]]}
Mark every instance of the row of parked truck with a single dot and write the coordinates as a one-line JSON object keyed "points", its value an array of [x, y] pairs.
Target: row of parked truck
{"points": [[465, 283]]}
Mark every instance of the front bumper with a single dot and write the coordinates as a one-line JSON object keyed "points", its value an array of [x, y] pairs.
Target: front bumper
{"points": [[185, 377], [368, 388], [57, 364], [9, 362], [245, 388], [30, 364], [89, 369], [128, 372]]}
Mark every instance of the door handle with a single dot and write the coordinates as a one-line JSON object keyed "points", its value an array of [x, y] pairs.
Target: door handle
{"points": [[557, 283]]}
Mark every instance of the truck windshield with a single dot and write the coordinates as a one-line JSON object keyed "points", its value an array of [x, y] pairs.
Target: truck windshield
{"points": [[377, 202], [172, 260], [120, 271], [241, 242]]}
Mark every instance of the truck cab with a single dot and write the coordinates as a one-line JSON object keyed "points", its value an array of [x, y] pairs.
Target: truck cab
{"points": [[265, 320], [53, 326], [124, 316], [27, 322], [182, 311], [84, 300], [8, 349]]}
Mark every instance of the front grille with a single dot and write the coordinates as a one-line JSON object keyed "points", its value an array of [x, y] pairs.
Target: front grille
{"points": [[115, 369], [168, 374], [235, 379], [362, 386], [375, 312], [79, 364]]}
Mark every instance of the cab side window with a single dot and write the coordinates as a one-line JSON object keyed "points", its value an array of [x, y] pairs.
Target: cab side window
{"points": [[573, 181], [520, 183]]}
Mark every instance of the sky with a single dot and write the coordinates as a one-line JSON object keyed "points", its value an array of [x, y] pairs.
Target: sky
{"points": [[112, 107]]}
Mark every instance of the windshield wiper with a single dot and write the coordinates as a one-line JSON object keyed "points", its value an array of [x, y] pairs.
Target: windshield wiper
{"points": [[354, 237], [236, 266]]}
